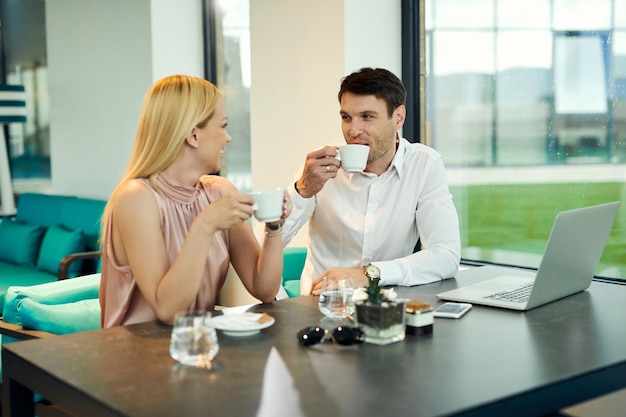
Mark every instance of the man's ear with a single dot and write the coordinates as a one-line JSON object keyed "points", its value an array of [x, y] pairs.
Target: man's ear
{"points": [[399, 115], [192, 139]]}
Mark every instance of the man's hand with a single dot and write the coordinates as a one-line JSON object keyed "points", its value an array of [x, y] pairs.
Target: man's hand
{"points": [[320, 166], [357, 274]]}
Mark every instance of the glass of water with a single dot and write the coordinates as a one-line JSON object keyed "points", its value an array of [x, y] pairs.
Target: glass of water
{"points": [[194, 340], [336, 300]]}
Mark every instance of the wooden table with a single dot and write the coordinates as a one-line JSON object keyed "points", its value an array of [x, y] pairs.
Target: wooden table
{"points": [[491, 362]]}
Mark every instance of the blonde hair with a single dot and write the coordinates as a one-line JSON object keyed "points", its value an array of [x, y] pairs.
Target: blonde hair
{"points": [[172, 107]]}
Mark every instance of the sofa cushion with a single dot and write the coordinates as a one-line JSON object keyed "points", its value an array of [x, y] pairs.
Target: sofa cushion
{"points": [[19, 242], [60, 318], [84, 214], [69, 211], [40, 209], [59, 242]]}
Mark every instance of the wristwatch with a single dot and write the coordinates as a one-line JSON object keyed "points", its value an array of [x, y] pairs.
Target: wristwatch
{"points": [[372, 272], [275, 226]]}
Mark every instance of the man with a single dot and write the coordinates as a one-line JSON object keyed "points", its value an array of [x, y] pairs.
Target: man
{"points": [[367, 225]]}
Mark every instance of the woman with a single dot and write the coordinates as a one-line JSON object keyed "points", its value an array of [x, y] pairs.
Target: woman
{"points": [[169, 232]]}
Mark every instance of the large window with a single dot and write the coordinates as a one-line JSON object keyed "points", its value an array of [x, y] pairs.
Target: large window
{"points": [[526, 102], [23, 61], [232, 66]]}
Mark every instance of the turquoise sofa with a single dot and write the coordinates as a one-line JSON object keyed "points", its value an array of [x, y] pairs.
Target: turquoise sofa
{"points": [[54, 308], [58, 307], [51, 237], [293, 263]]}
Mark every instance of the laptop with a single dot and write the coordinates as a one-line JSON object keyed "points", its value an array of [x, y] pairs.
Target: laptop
{"points": [[568, 265]]}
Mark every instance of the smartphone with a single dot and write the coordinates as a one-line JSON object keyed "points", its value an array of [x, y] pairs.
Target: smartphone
{"points": [[452, 310]]}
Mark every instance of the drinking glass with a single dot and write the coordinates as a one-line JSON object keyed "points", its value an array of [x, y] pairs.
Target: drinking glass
{"points": [[336, 297], [194, 340]]}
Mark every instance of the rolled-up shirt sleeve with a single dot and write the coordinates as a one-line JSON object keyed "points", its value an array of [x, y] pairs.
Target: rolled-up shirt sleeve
{"points": [[301, 212]]}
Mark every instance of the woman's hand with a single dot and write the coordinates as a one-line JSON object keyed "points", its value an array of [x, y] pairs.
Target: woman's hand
{"points": [[276, 228], [227, 211]]}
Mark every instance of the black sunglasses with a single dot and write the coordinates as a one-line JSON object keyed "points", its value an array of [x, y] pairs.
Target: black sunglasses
{"points": [[343, 335]]}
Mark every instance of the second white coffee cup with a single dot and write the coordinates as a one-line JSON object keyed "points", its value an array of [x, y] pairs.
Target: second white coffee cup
{"points": [[268, 205], [353, 157]]}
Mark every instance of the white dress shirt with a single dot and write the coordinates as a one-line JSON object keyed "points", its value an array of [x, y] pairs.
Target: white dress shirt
{"points": [[361, 218]]}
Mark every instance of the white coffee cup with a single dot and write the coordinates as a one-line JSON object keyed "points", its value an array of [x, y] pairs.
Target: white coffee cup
{"points": [[268, 205], [353, 157]]}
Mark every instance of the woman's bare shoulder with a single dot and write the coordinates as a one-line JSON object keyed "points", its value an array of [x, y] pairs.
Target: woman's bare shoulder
{"points": [[221, 184], [134, 195]]}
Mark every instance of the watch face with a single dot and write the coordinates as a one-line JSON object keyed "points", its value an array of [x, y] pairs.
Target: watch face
{"points": [[372, 271]]}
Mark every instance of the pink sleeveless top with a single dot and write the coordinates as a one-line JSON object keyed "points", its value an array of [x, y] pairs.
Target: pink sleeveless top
{"points": [[120, 299]]}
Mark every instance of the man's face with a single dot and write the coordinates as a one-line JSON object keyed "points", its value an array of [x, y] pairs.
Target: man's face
{"points": [[364, 121]]}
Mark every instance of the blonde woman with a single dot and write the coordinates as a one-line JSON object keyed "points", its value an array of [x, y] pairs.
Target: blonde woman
{"points": [[169, 232]]}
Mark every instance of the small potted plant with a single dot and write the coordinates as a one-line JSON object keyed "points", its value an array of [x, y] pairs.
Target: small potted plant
{"points": [[379, 314]]}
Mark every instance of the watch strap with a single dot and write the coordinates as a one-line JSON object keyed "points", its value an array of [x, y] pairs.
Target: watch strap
{"points": [[275, 225]]}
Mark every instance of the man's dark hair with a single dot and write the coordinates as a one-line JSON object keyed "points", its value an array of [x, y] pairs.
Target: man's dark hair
{"points": [[378, 82]]}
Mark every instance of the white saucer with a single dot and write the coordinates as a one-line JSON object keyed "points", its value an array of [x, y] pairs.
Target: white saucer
{"points": [[243, 324]]}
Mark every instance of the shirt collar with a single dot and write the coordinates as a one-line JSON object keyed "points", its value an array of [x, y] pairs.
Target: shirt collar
{"points": [[398, 159]]}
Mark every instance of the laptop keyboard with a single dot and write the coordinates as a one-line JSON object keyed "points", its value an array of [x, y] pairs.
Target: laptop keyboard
{"points": [[516, 295]]}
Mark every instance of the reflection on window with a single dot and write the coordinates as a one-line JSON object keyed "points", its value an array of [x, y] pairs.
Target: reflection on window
{"points": [[461, 120], [522, 90], [526, 101]]}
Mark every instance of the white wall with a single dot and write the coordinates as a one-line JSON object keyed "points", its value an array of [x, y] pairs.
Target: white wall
{"points": [[373, 35], [102, 57], [177, 43], [297, 62]]}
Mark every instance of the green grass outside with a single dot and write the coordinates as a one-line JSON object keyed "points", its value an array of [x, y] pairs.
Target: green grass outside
{"points": [[518, 217]]}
